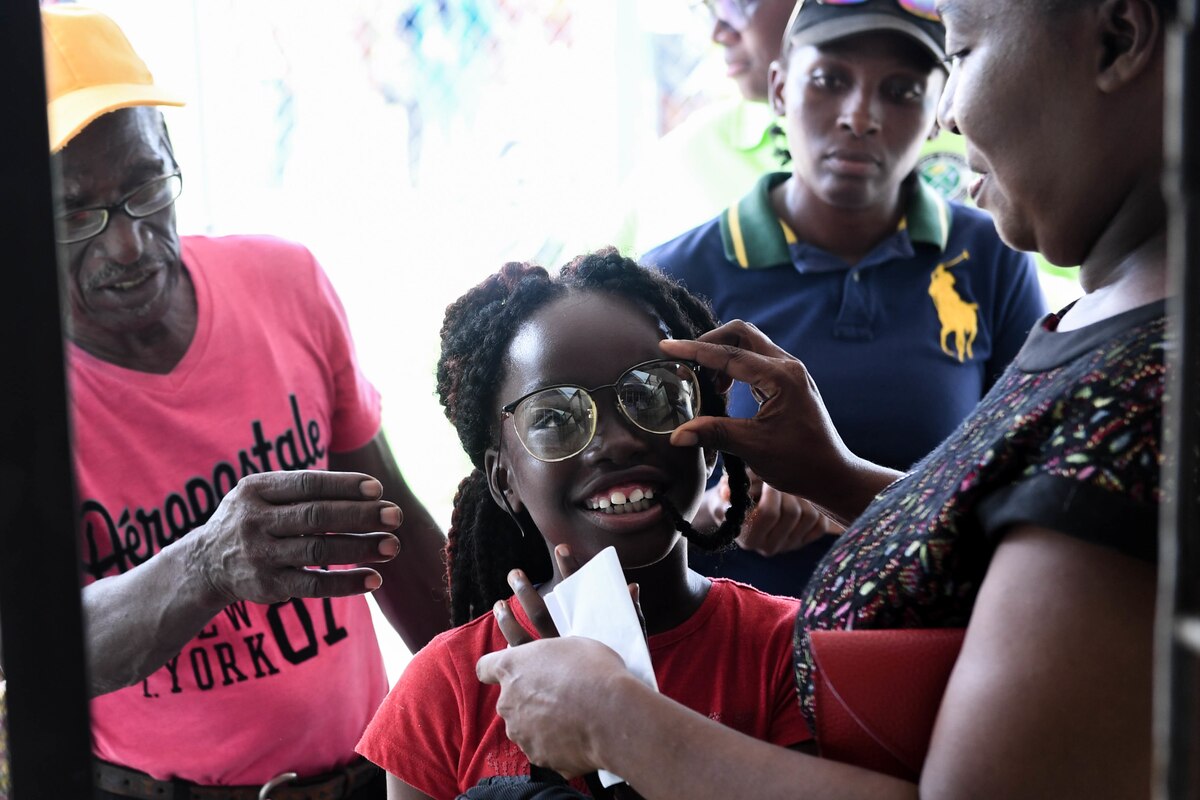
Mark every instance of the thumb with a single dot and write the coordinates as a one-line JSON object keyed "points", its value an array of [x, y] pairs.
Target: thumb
{"points": [[635, 594], [718, 433], [488, 668]]}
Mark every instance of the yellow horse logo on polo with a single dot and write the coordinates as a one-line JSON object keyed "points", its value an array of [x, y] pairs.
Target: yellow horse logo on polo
{"points": [[958, 318]]}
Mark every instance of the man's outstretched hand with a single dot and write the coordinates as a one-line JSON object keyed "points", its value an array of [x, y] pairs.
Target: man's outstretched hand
{"points": [[274, 535]]}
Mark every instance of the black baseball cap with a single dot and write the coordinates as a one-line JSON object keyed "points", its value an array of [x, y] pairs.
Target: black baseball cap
{"points": [[818, 22]]}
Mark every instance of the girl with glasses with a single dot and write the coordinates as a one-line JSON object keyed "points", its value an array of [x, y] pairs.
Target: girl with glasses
{"points": [[565, 403]]}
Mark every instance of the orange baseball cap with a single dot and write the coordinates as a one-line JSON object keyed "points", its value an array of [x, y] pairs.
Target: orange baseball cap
{"points": [[91, 69]]}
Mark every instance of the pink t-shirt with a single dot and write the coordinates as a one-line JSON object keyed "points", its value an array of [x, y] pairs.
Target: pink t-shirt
{"points": [[731, 661], [269, 382]]}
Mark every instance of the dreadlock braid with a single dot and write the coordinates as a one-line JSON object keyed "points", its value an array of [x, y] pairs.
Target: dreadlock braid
{"points": [[484, 542], [475, 334], [476, 571]]}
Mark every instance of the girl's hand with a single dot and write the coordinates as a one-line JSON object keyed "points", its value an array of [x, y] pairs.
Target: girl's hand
{"points": [[780, 522], [535, 607]]}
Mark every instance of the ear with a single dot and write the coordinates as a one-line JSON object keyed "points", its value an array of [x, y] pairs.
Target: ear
{"points": [[498, 482], [1131, 37], [776, 78]]}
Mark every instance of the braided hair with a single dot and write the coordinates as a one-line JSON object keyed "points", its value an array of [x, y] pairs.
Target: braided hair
{"points": [[484, 542]]}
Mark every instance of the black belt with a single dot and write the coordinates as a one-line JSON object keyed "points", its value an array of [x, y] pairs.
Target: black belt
{"points": [[285, 786]]}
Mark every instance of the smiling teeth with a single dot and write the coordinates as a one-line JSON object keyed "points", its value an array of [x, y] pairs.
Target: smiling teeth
{"points": [[619, 503], [127, 285]]}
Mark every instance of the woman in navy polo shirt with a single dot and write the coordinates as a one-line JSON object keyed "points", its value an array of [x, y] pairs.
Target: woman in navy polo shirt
{"points": [[904, 307]]}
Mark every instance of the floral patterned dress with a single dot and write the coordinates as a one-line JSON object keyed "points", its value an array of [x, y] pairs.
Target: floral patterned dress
{"points": [[1068, 439]]}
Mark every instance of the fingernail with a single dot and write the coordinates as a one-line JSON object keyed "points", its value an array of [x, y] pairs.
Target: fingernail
{"points": [[684, 439], [514, 579], [562, 550], [390, 516], [389, 546], [373, 582], [499, 608], [371, 488]]}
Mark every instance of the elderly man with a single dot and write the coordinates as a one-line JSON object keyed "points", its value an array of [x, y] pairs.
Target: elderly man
{"points": [[229, 642]]}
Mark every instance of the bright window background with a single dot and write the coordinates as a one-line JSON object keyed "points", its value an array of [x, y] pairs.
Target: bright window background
{"points": [[414, 147]]}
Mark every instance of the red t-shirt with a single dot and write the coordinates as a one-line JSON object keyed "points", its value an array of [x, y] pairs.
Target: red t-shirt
{"points": [[269, 382], [731, 661]]}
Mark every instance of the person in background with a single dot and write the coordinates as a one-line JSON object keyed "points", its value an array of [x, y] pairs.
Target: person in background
{"points": [[715, 155], [718, 153], [1034, 526], [904, 307], [213, 380]]}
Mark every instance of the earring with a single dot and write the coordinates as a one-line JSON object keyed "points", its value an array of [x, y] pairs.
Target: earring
{"points": [[508, 506]]}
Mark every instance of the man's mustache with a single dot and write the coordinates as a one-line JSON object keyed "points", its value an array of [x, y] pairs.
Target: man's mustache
{"points": [[118, 273]]}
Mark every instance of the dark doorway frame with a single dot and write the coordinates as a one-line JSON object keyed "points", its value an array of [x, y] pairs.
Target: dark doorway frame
{"points": [[1177, 682], [40, 617]]}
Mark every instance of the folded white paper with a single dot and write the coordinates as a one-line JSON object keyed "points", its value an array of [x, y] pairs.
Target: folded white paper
{"points": [[595, 603]]}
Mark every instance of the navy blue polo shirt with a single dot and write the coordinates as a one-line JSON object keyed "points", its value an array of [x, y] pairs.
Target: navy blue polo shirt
{"points": [[902, 345]]}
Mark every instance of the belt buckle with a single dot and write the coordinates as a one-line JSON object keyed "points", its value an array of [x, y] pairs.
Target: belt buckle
{"points": [[279, 780]]}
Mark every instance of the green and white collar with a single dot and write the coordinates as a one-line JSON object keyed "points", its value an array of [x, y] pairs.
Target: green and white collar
{"points": [[755, 238]]}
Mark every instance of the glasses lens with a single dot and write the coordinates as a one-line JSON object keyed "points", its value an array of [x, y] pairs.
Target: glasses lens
{"points": [[154, 196], [75, 226], [555, 423], [920, 8], [660, 396], [734, 13]]}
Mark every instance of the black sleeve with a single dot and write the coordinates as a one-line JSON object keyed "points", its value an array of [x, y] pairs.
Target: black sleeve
{"points": [[1075, 508], [1096, 476]]}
